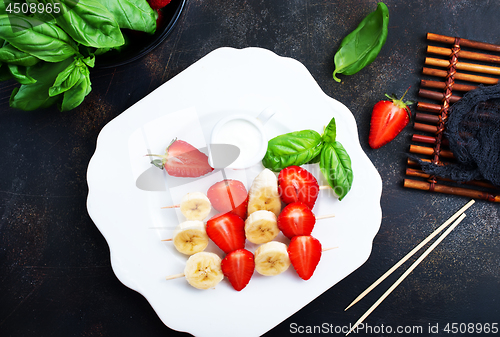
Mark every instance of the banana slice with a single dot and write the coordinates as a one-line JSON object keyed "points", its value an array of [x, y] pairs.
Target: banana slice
{"points": [[271, 258], [190, 237], [195, 206], [261, 227], [203, 270], [263, 194]]}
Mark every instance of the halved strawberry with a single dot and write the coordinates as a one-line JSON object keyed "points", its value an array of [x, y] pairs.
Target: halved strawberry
{"points": [[388, 119], [229, 196], [227, 231], [238, 267], [297, 184], [157, 4], [304, 252], [296, 219], [181, 159]]}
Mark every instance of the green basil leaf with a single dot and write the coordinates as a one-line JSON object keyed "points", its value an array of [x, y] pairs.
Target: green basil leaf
{"points": [[65, 80], [133, 14], [75, 96], [330, 132], [4, 72], [12, 55], [294, 148], [335, 165], [19, 74], [361, 46], [88, 22], [45, 41], [34, 96]]}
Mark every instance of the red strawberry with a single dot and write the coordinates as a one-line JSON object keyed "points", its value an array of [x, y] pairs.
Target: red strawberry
{"points": [[227, 231], [296, 219], [297, 184], [160, 18], [388, 119], [157, 4], [238, 267], [304, 252], [229, 196], [181, 159]]}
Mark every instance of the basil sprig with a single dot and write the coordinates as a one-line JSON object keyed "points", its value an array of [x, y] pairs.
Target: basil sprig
{"points": [[49, 54], [308, 147], [361, 46]]}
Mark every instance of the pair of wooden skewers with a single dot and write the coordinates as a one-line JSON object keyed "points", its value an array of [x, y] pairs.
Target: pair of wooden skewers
{"points": [[455, 218]]}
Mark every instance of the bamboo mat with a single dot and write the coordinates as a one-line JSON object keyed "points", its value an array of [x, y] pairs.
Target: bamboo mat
{"points": [[455, 66]]}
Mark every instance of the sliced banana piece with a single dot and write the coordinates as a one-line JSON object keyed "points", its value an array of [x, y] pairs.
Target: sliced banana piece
{"points": [[190, 237], [271, 258], [203, 270], [261, 227], [195, 206], [263, 194]]}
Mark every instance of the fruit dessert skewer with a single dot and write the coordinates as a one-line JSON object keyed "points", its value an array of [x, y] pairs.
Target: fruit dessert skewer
{"points": [[203, 270]]}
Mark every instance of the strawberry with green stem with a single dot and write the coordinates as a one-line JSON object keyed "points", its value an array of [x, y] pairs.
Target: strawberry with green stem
{"points": [[181, 159], [388, 119]]}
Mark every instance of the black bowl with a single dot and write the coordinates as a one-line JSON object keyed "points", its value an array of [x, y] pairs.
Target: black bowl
{"points": [[140, 44]]}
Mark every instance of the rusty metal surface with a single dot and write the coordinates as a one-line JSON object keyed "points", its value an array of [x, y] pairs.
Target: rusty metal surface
{"points": [[55, 273]]}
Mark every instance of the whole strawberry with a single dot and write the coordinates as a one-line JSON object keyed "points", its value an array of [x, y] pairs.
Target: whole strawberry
{"points": [[388, 119], [157, 4]]}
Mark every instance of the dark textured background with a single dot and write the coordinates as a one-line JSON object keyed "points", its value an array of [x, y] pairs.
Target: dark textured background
{"points": [[55, 273]]}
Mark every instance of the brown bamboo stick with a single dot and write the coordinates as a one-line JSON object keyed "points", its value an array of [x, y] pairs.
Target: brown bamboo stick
{"points": [[421, 174], [442, 85], [411, 162], [463, 54], [460, 76], [428, 140], [429, 151], [463, 42], [425, 127], [479, 68], [428, 107], [437, 96], [426, 118], [461, 191]]}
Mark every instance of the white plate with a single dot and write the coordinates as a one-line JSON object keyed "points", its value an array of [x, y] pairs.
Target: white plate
{"points": [[225, 81]]}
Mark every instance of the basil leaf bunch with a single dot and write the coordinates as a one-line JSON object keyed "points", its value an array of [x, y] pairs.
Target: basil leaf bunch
{"points": [[309, 147], [361, 46], [50, 54]]}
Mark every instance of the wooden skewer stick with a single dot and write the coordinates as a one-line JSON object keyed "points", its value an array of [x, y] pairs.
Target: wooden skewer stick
{"points": [[324, 187], [321, 217], [412, 252], [428, 140], [172, 206], [412, 267], [171, 277], [174, 276]]}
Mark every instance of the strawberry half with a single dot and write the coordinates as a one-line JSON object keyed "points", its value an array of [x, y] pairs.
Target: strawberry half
{"points": [[296, 219], [305, 253], [388, 119], [181, 159], [157, 4], [238, 267], [229, 196], [227, 231], [297, 184]]}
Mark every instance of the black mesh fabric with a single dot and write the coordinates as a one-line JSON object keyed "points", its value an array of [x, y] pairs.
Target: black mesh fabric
{"points": [[473, 129]]}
